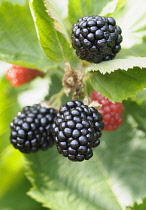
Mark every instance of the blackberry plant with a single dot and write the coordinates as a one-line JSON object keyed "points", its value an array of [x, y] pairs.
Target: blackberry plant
{"points": [[45, 38]]}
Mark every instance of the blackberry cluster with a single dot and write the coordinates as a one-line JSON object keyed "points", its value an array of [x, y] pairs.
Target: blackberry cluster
{"points": [[77, 129], [96, 38], [31, 129]]}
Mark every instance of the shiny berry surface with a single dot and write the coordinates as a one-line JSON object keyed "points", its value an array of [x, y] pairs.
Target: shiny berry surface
{"points": [[96, 38], [77, 130], [31, 129]]}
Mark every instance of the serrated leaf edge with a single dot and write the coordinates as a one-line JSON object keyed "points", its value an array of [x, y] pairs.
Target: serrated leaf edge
{"points": [[58, 25], [114, 65]]}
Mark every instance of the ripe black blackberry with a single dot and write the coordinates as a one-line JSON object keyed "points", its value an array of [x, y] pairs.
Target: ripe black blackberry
{"points": [[31, 129], [96, 38], [76, 130]]}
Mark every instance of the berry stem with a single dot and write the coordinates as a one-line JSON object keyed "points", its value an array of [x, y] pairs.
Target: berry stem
{"points": [[49, 70], [73, 81], [55, 100], [61, 69]]}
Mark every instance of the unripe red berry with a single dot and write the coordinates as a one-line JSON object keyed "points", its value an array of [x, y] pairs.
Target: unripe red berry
{"points": [[18, 75], [111, 112]]}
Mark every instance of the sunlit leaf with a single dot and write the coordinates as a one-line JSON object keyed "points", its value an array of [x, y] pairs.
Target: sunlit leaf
{"points": [[53, 42], [58, 20], [111, 7], [132, 23]]}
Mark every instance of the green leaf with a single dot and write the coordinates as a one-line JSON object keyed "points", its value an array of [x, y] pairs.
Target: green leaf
{"points": [[120, 84], [98, 183], [18, 40], [53, 42], [116, 64], [58, 20], [111, 7], [137, 206], [8, 155], [81, 8], [16, 198]]}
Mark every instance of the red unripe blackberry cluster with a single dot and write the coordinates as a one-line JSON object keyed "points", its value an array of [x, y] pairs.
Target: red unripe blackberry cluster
{"points": [[111, 112], [18, 75]]}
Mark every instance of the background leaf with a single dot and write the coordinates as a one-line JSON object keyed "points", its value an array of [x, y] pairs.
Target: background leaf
{"points": [[107, 181], [11, 161], [18, 40], [8, 109], [120, 84], [53, 42], [133, 28], [16, 198], [10, 157], [111, 7]]}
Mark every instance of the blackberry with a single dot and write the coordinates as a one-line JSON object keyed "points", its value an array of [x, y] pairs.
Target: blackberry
{"points": [[111, 112], [96, 38], [31, 129], [76, 130]]}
